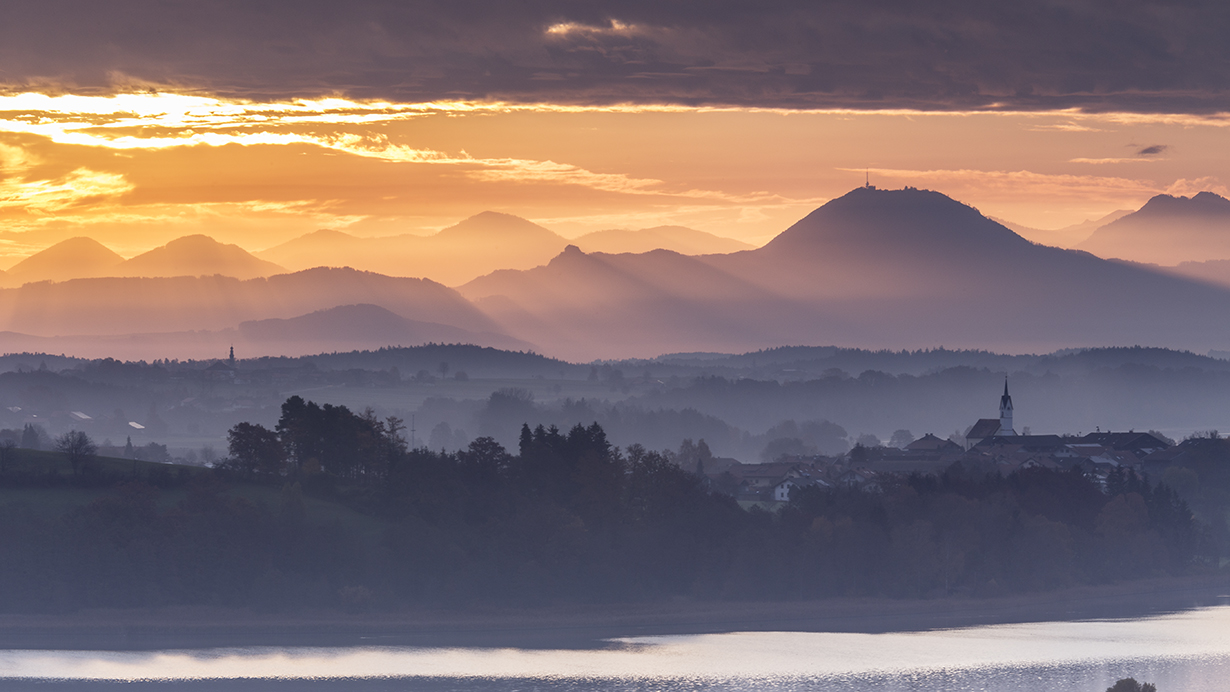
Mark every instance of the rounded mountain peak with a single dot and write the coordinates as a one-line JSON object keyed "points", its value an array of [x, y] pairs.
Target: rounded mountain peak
{"points": [[1203, 203], [78, 257], [493, 225], [871, 221], [197, 255]]}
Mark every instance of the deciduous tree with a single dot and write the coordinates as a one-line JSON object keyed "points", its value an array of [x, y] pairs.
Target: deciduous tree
{"points": [[78, 447]]}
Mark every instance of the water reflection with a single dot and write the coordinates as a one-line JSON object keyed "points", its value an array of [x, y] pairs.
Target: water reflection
{"points": [[1185, 651]]}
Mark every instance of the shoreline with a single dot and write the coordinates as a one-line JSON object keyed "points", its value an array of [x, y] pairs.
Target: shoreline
{"points": [[590, 626]]}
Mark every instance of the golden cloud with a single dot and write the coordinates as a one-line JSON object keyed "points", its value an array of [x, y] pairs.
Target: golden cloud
{"points": [[81, 186], [613, 28], [129, 123]]}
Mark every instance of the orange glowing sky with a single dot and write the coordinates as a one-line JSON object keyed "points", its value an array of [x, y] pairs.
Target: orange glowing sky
{"points": [[137, 170], [137, 127]]}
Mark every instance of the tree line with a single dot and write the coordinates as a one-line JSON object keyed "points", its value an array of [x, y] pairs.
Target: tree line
{"points": [[566, 518]]}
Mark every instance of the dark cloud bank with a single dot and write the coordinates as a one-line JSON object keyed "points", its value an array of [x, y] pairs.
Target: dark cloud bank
{"points": [[1137, 56]]}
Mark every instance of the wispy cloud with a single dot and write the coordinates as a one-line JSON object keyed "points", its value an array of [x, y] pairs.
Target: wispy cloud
{"points": [[164, 120], [613, 27], [79, 187], [1022, 183], [1129, 159], [1185, 187], [1068, 126]]}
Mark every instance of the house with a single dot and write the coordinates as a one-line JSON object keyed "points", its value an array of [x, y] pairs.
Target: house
{"points": [[862, 479], [931, 443], [1036, 444], [1188, 450], [1155, 464], [1139, 444], [763, 476], [781, 492]]}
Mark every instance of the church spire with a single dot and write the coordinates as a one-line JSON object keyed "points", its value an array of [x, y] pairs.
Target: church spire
{"points": [[1005, 412]]}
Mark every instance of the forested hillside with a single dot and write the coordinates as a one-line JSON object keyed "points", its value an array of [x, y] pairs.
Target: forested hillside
{"points": [[333, 509]]}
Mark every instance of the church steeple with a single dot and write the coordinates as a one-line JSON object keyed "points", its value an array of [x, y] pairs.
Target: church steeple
{"points": [[231, 361], [1005, 412]]}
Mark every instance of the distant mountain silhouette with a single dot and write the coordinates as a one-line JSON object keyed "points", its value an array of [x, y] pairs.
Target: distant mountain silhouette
{"points": [[198, 255], [874, 268], [74, 258], [581, 304], [1168, 230], [354, 327], [325, 247], [494, 227], [1066, 237], [685, 241], [1212, 271], [478, 245], [149, 305], [341, 329]]}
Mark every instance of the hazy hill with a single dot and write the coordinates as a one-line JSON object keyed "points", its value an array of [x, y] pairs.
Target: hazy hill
{"points": [[1168, 230], [685, 241], [475, 361], [197, 255], [130, 305], [1212, 271], [324, 247], [1068, 236], [476, 246], [584, 306], [352, 327], [494, 227], [74, 258], [874, 268]]}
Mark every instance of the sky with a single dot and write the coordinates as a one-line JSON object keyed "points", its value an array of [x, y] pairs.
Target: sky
{"points": [[256, 122]]}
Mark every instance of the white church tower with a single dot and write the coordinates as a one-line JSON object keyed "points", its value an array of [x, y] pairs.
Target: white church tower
{"points": [[1005, 413]]}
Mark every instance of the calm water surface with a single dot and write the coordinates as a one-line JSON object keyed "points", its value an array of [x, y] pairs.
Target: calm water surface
{"points": [[1179, 652]]}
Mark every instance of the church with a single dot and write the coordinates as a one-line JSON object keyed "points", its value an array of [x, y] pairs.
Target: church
{"points": [[991, 427]]}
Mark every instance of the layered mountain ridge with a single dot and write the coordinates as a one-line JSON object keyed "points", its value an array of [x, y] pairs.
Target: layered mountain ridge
{"points": [[1167, 230], [874, 268], [883, 268], [86, 258], [487, 242]]}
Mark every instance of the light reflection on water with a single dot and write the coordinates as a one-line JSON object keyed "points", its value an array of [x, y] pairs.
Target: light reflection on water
{"points": [[1185, 651]]}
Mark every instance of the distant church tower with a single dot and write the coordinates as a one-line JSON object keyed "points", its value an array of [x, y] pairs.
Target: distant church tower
{"points": [[1005, 413], [231, 361]]}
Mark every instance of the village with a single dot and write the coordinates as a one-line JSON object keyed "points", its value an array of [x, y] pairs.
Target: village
{"points": [[187, 426], [991, 446]]}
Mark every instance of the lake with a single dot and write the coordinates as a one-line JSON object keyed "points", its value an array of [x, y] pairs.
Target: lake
{"points": [[1182, 651]]}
